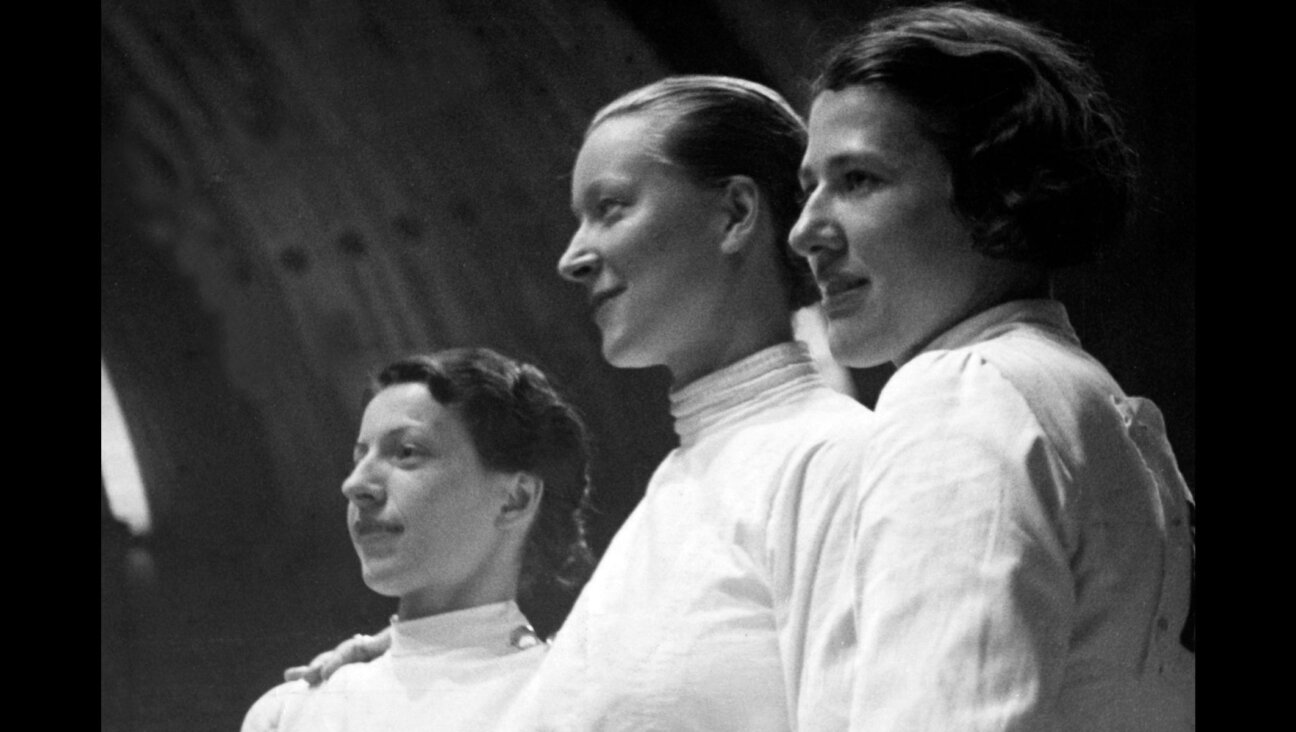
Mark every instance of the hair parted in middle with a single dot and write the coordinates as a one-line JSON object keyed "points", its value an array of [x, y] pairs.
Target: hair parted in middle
{"points": [[717, 127]]}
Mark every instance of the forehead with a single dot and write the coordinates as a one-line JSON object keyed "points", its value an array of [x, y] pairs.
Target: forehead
{"points": [[864, 119], [623, 147], [406, 405]]}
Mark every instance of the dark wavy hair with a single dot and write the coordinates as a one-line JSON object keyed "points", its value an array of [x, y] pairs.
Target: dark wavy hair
{"points": [[1040, 168], [717, 127], [518, 422]]}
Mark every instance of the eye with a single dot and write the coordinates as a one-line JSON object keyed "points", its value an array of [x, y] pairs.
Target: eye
{"points": [[854, 180], [408, 453], [608, 207]]}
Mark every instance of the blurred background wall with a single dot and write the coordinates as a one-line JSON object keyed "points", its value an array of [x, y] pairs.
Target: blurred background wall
{"points": [[296, 191]]}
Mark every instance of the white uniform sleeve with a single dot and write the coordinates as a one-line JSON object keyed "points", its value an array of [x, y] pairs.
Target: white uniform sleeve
{"points": [[809, 550], [274, 710], [959, 568]]}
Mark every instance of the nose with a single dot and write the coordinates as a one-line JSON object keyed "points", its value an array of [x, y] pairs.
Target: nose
{"points": [[364, 485], [579, 263], [814, 232]]}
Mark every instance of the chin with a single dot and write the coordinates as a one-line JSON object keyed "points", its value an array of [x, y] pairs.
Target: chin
{"points": [[856, 350], [623, 356], [384, 583]]}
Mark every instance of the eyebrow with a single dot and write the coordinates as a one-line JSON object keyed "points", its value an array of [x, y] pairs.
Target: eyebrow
{"points": [[595, 188], [420, 430], [846, 158]]}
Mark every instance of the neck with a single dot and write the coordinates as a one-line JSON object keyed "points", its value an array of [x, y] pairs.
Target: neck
{"points": [[751, 315], [1014, 281], [482, 588], [740, 341]]}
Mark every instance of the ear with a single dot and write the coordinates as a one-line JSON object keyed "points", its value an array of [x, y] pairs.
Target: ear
{"points": [[522, 495], [741, 201]]}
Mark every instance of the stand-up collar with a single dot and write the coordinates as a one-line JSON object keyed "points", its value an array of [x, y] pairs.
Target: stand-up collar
{"points": [[486, 626], [741, 386], [1049, 315]]}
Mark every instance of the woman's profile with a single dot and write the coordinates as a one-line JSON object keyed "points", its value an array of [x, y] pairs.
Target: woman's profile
{"points": [[708, 609], [1022, 556], [469, 487]]}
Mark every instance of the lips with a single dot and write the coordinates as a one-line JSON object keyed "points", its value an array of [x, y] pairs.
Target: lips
{"points": [[597, 299], [841, 292], [367, 528], [839, 284]]}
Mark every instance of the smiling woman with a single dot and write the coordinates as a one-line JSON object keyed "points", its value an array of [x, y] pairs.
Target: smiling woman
{"points": [[707, 609], [872, 178], [644, 216], [681, 225], [469, 487], [1022, 553]]}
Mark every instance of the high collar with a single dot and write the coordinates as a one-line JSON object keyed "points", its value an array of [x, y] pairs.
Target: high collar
{"points": [[741, 386], [1045, 314], [489, 627]]}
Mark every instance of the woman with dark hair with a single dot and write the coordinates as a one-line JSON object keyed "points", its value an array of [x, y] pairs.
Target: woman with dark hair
{"points": [[469, 490], [1022, 551]]}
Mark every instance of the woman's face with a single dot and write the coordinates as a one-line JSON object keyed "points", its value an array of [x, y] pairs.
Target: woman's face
{"points": [[647, 249], [422, 507], [892, 257]]}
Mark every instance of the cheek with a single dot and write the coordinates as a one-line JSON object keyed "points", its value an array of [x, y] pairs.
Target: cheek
{"points": [[679, 227], [887, 241], [678, 235], [917, 239], [649, 250], [462, 501]]}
